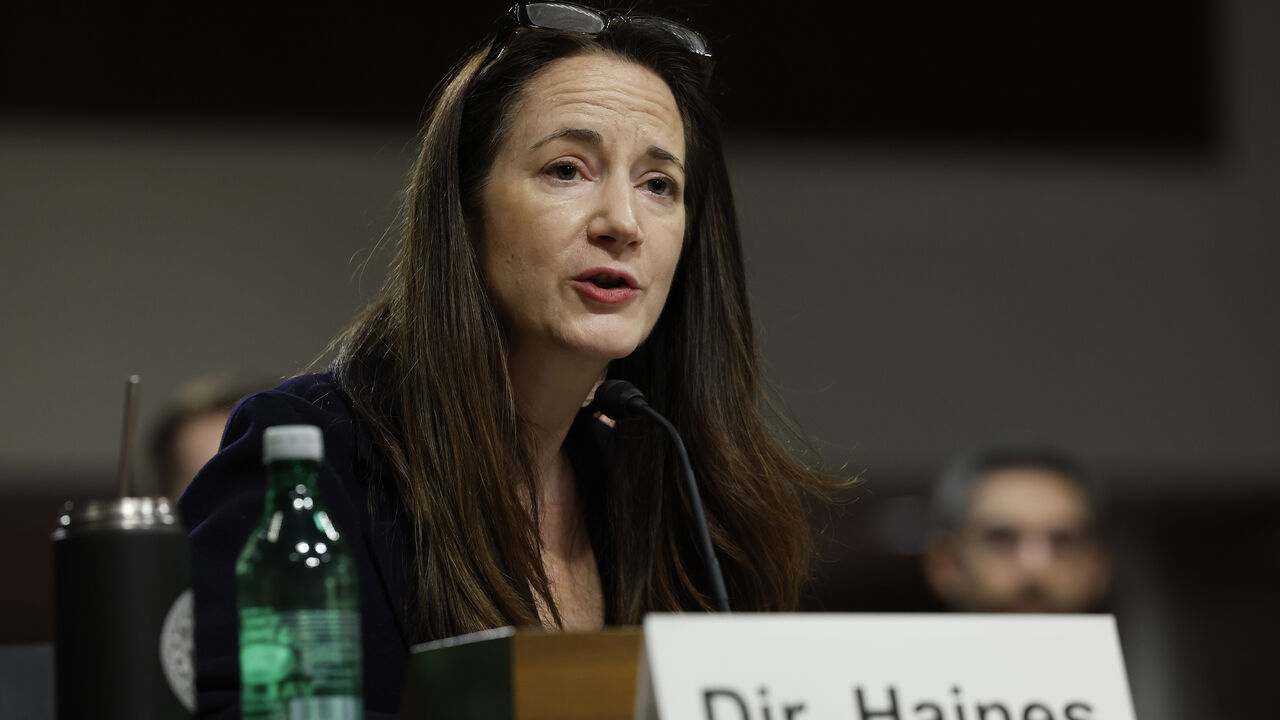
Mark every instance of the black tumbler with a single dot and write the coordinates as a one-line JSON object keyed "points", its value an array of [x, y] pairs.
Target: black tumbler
{"points": [[123, 612]]}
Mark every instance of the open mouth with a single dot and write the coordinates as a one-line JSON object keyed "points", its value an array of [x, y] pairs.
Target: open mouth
{"points": [[608, 282], [606, 285], [607, 278]]}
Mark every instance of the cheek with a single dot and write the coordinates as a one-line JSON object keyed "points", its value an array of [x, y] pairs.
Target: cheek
{"points": [[502, 243], [668, 254], [986, 566], [523, 259], [525, 228]]}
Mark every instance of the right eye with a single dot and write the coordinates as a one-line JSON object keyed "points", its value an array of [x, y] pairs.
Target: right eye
{"points": [[565, 171]]}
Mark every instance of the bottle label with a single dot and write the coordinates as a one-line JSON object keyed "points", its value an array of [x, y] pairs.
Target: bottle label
{"points": [[300, 664], [325, 708]]}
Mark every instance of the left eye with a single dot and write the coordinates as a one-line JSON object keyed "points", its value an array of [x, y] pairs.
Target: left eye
{"points": [[659, 186]]}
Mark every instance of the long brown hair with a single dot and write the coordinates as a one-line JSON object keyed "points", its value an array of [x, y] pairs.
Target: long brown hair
{"points": [[426, 368]]}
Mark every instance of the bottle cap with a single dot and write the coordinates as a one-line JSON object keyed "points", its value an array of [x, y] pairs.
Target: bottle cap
{"points": [[292, 442]]}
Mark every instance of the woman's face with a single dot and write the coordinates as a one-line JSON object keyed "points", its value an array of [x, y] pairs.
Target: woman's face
{"points": [[583, 210]]}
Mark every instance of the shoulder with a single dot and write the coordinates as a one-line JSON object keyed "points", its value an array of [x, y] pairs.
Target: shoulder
{"points": [[303, 400], [237, 467], [313, 399]]}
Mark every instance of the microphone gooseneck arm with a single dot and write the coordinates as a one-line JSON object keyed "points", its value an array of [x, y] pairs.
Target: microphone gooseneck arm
{"points": [[618, 398], [718, 591]]}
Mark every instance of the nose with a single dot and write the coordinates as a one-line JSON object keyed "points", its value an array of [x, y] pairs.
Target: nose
{"points": [[1035, 553], [614, 221]]}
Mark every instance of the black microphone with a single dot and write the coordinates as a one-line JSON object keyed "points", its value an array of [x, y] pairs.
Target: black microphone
{"points": [[620, 399]]}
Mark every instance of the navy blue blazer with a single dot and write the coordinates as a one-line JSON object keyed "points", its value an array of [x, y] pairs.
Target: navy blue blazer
{"points": [[224, 503]]}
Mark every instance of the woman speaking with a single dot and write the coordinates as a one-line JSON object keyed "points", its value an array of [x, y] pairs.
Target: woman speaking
{"points": [[569, 218]]}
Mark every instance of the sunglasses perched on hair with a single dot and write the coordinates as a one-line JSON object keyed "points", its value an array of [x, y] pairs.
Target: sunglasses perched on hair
{"points": [[572, 17]]}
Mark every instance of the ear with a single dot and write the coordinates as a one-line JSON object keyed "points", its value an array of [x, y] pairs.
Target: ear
{"points": [[941, 565]]}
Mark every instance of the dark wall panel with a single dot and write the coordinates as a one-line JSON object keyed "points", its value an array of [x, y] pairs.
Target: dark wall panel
{"points": [[1137, 73]]}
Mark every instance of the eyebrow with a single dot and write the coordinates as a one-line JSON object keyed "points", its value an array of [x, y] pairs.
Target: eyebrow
{"points": [[591, 137], [660, 154]]}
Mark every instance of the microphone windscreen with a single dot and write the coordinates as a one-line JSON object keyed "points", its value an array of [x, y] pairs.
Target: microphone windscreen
{"points": [[619, 399]]}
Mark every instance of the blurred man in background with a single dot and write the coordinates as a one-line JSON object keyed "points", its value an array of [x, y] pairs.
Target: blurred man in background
{"points": [[189, 429], [1016, 530]]}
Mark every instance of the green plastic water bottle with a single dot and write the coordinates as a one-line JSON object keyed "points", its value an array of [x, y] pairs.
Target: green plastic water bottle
{"points": [[298, 595]]}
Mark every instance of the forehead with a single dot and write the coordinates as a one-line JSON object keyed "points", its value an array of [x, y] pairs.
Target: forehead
{"points": [[1028, 497], [601, 92]]}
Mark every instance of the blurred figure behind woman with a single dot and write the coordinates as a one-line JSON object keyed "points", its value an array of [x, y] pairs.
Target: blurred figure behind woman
{"points": [[190, 426]]}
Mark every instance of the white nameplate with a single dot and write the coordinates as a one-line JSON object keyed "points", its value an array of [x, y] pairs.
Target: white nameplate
{"points": [[882, 667]]}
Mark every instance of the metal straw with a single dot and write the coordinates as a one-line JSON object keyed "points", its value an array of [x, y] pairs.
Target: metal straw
{"points": [[132, 386]]}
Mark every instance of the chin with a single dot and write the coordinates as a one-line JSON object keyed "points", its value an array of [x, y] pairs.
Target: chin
{"points": [[606, 349], [609, 351], [609, 342]]}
